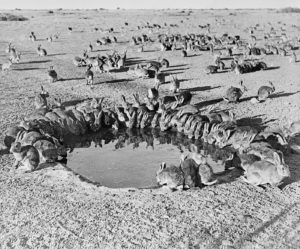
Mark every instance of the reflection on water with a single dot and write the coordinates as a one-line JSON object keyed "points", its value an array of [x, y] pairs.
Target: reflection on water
{"points": [[130, 158]]}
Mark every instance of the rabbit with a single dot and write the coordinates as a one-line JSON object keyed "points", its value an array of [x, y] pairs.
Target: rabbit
{"points": [[191, 132], [153, 93], [190, 171], [239, 138], [67, 121], [164, 63], [155, 121], [15, 57], [140, 49], [142, 73], [221, 65], [90, 48], [211, 69], [6, 66], [183, 53], [172, 176], [97, 124], [78, 61], [175, 84], [28, 137], [52, 75], [293, 58], [198, 130], [27, 155], [181, 122], [11, 134], [47, 151], [41, 51], [291, 129], [49, 39], [265, 91], [9, 48], [89, 76], [32, 37], [159, 79], [40, 100], [188, 124], [205, 171], [233, 94], [263, 172]]}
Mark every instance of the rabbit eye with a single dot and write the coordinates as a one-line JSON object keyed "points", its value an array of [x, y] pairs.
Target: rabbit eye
{"points": [[220, 134]]}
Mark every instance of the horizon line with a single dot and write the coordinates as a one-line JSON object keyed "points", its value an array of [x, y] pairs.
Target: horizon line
{"points": [[258, 8]]}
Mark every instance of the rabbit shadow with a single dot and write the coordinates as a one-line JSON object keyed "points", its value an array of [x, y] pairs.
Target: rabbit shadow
{"points": [[282, 94], [27, 69], [4, 151], [119, 70], [174, 70], [33, 62], [223, 71], [200, 88], [57, 54], [68, 79], [181, 65], [113, 81], [255, 122], [271, 68], [208, 102], [150, 51], [193, 55], [228, 176], [130, 62], [72, 102]]}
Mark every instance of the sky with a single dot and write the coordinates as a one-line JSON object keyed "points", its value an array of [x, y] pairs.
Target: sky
{"points": [[146, 4]]}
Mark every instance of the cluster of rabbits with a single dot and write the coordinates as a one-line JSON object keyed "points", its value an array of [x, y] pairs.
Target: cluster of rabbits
{"points": [[151, 69], [39, 138], [14, 57], [136, 40], [193, 171], [195, 42], [247, 66], [103, 63]]}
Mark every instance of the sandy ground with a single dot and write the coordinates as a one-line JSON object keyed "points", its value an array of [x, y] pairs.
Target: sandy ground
{"points": [[52, 208]]}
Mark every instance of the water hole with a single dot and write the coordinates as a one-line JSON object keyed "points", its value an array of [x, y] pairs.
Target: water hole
{"points": [[130, 158]]}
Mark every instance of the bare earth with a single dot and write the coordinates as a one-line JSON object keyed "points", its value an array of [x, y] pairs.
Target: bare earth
{"points": [[52, 208]]}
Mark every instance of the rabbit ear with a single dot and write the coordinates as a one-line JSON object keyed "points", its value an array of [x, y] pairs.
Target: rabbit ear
{"points": [[277, 158], [227, 133], [163, 165], [182, 157], [210, 109], [18, 136], [251, 138], [231, 115]]}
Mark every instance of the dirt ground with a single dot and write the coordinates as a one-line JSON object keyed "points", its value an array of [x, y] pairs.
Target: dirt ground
{"points": [[52, 208]]}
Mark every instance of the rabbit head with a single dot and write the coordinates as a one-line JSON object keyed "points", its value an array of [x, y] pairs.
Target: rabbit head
{"points": [[222, 137], [171, 176], [197, 156], [15, 147], [282, 168]]}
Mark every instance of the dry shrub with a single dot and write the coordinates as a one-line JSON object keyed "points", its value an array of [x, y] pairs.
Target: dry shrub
{"points": [[11, 17]]}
